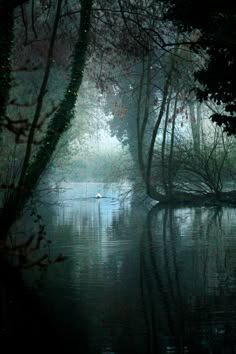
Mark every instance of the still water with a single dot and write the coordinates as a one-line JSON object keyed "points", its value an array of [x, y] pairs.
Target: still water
{"points": [[136, 280]]}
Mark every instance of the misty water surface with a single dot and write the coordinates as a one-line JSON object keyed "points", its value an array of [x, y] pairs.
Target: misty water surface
{"points": [[137, 280]]}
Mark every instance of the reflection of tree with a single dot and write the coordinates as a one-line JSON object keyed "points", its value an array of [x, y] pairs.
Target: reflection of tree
{"points": [[161, 292], [183, 252], [126, 224], [187, 306]]}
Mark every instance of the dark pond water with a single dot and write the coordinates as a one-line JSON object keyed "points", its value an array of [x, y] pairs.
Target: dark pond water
{"points": [[140, 281]]}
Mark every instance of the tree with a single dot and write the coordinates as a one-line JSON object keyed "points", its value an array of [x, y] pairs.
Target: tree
{"points": [[34, 166], [216, 37], [6, 36], [155, 99]]}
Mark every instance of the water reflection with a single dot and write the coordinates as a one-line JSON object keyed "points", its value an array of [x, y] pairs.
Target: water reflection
{"points": [[187, 277], [142, 282]]}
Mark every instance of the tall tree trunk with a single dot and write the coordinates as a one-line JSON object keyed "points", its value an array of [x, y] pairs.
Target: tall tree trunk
{"points": [[164, 171], [58, 125], [42, 92], [151, 190], [138, 121], [143, 114], [195, 127], [6, 38], [171, 155]]}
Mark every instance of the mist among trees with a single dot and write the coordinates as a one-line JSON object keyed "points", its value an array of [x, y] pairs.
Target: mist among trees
{"points": [[143, 74], [132, 92]]}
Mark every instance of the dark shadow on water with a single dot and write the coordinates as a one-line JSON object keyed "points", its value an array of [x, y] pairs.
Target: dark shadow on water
{"points": [[181, 318], [135, 282], [25, 324]]}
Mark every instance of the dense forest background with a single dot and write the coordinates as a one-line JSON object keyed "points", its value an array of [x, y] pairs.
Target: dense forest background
{"points": [[137, 92], [153, 76]]}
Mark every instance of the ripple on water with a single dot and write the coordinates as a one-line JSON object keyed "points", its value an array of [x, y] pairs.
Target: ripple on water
{"points": [[138, 279]]}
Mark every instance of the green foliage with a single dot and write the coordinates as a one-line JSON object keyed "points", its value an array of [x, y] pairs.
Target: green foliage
{"points": [[59, 123], [216, 22]]}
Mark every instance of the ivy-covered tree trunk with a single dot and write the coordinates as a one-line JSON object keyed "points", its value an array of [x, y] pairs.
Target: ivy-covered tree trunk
{"points": [[58, 125], [6, 38]]}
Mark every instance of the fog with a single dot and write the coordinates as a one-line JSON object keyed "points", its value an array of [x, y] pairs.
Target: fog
{"points": [[117, 176]]}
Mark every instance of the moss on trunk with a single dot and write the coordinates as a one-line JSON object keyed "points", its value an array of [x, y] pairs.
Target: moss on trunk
{"points": [[58, 125], [6, 39]]}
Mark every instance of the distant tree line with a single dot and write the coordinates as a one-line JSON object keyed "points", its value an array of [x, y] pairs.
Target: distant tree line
{"points": [[163, 68]]}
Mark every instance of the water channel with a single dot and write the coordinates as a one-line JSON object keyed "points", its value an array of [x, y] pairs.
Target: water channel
{"points": [[139, 280]]}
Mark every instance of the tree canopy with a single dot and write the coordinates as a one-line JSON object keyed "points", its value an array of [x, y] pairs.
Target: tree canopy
{"points": [[139, 63], [216, 25]]}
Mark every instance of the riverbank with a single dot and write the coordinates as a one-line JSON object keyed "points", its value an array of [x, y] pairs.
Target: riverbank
{"points": [[192, 200]]}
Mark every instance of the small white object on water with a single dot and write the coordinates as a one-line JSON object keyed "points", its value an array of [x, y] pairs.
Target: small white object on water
{"points": [[98, 195]]}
